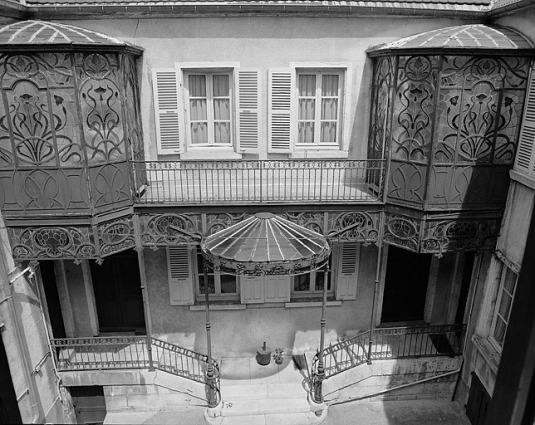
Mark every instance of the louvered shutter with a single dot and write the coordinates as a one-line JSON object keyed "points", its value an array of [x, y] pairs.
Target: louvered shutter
{"points": [[525, 157], [248, 107], [180, 276], [280, 126], [169, 115], [252, 289], [277, 289], [348, 254]]}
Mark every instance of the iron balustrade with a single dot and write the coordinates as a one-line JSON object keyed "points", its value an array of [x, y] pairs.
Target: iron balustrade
{"points": [[391, 343], [260, 181], [131, 352]]}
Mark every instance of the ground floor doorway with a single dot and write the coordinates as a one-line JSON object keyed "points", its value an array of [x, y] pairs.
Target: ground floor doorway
{"points": [[9, 408], [118, 296], [407, 274]]}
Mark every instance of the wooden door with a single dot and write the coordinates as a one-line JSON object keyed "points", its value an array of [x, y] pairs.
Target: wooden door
{"points": [[118, 293], [405, 290], [89, 404], [478, 402]]}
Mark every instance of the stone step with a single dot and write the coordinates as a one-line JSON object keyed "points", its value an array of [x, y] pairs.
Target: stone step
{"points": [[245, 407], [273, 419], [263, 391]]}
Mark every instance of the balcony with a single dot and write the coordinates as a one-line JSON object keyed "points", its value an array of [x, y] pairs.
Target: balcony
{"points": [[259, 182]]}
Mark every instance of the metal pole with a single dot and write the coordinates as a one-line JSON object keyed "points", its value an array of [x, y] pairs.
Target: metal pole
{"points": [[375, 285], [320, 375], [210, 371]]}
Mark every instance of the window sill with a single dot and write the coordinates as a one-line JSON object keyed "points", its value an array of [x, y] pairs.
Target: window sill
{"points": [[487, 351], [297, 304], [319, 154], [210, 155], [216, 307]]}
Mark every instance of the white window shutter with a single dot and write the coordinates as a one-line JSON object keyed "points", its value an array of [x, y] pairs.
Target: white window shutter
{"points": [[248, 103], [348, 270], [525, 157], [168, 111], [180, 276], [277, 289], [281, 115], [252, 289]]}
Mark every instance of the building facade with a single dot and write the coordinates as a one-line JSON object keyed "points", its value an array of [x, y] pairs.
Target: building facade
{"points": [[129, 133]]}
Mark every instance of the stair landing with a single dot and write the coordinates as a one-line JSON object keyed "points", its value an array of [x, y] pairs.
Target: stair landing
{"points": [[264, 395]]}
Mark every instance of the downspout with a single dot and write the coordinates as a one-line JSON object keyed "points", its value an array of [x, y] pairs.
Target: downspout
{"points": [[421, 381], [375, 285]]}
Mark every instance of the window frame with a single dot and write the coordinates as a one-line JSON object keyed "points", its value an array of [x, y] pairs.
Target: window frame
{"points": [[312, 292], [209, 73], [318, 97], [499, 296], [217, 295]]}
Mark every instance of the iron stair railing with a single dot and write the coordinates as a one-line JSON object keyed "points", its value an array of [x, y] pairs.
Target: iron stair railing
{"points": [[132, 352]]}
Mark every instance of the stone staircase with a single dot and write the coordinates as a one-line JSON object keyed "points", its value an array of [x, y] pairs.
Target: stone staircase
{"points": [[264, 395]]}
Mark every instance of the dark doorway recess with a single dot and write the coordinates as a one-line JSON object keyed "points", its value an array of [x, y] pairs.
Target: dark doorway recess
{"points": [[9, 408], [478, 402], [465, 286], [406, 279], [89, 404], [52, 298], [118, 293]]}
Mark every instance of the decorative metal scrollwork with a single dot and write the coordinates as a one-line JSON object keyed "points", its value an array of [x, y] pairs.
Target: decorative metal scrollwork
{"points": [[403, 231], [355, 226], [170, 229], [116, 235]]}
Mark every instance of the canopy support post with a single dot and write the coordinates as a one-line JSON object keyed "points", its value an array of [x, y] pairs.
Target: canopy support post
{"points": [[320, 374], [211, 374], [375, 286]]}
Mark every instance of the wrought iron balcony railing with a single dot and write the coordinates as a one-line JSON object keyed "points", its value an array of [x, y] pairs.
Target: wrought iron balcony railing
{"points": [[269, 181]]}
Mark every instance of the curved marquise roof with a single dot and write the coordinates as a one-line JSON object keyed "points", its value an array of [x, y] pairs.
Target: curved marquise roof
{"points": [[51, 35], [265, 244], [471, 37]]}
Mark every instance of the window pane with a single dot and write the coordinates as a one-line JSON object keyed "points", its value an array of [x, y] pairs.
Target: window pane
{"points": [[197, 109], [320, 280], [328, 132], [307, 109], [499, 331], [222, 109], [228, 284], [330, 85], [211, 284], [505, 305], [301, 282], [307, 85], [222, 132], [306, 132], [199, 132], [221, 85], [509, 280], [329, 109], [197, 85]]}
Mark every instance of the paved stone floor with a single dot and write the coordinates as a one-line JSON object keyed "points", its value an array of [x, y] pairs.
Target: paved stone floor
{"points": [[406, 412]]}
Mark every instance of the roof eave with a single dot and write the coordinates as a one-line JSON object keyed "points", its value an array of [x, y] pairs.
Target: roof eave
{"points": [[457, 51], [72, 47], [44, 12]]}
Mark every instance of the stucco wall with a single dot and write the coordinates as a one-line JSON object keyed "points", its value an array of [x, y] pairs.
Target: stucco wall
{"points": [[265, 42], [241, 332]]}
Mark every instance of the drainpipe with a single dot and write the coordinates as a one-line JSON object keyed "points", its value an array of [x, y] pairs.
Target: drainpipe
{"points": [[375, 285]]}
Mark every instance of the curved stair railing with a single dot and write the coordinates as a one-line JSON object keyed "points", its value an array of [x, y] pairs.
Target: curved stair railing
{"points": [[131, 352], [388, 343]]}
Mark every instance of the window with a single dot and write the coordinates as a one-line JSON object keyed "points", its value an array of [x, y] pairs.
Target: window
{"points": [[209, 109], [203, 107], [318, 107], [504, 303], [220, 286], [311, 284]]}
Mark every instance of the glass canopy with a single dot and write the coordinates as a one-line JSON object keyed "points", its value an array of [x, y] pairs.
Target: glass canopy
{"points": [[265, 244]]}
